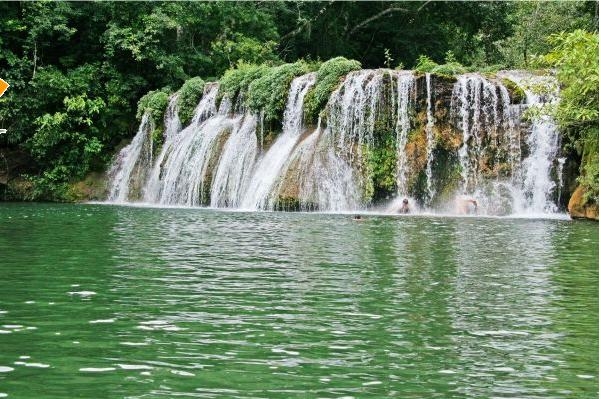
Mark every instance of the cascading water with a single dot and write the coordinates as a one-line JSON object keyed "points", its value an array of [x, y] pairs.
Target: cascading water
{"points": [[352, 111], [512, 114], [475, 101], [405, 93], [560, 163], [329, 157], [429, 141], [173, 125], [235, 164], [492, 153], [178, 174], [543, 145], [132, 163], [260, 193]]}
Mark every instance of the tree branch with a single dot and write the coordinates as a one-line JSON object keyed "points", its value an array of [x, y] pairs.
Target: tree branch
{"points": [[308, 21], [377, 16]]}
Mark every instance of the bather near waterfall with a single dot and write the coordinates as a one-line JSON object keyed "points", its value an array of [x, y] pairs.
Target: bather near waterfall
{"points": [[381, 133], [466, 205]]}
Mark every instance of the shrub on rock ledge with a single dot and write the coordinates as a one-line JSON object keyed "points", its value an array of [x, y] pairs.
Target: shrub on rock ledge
{"points": [[189, 95], [328, 77]]}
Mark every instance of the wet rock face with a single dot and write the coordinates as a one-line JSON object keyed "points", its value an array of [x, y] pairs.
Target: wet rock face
{"points": [[580, 209], [382, 134]]}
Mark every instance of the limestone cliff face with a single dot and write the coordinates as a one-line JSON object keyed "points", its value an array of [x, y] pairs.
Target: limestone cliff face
{"points": [[382, 134], [491, 157], [581, 209]]}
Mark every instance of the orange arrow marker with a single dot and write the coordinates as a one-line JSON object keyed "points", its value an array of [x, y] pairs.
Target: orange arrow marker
{"points": [[3, 87]]}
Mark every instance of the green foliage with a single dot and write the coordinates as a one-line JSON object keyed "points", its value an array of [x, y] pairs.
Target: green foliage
{"points": [[66, 144], [533, 21], [269, 92], [424, 64], [235, 81], [157, 138], [155, 102], [387, 58], [244, 49], [329, 76], [517, 94], [383, 161], [589, 173], [189, 95], [450, 68], [575, 56]]}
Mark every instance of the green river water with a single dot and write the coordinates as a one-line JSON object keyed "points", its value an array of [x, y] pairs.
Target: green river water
{"points": [[104, 301]]}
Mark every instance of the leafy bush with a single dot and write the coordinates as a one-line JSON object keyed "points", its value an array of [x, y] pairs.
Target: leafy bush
{"points": [[575, 55], [154, 102], [66, 144], [450, 68], [270, 92], [517, 94], [425, 64], [241, 48], [589, 170], [235, 81], [328, 77], [189, 95]]}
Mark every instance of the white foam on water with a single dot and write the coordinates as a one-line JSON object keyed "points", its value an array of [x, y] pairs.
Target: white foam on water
{"points": [[102, 321], [182, 373], [36, 365], [135, 367], [83, 294], [96, 369]]}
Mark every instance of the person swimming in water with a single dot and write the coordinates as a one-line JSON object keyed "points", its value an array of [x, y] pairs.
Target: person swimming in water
{"points": [[466, 205], [405, 206]]}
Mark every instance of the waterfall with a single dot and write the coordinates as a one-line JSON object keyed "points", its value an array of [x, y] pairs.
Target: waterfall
{"points": [[430, 141], [235, 163], [260, 193], [512, 114], [560, 163], [475, 101], [375, 137], [178, 175], [131, 164], [207, 105], [325, 181], [405, 92], [543, 145], [352, 110], [173, 125]]}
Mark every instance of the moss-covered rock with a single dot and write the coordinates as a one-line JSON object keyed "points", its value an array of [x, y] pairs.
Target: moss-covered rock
{"points": [[329, 76], [19, 189], [288, 204], [517, 95], [94, 187], [581, 208], [269, 92], [154, 102], [212, 163], [189, 96], [235, 81]]}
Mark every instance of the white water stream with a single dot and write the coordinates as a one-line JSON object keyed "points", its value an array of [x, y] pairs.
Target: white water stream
{"points": [[219, 159]]}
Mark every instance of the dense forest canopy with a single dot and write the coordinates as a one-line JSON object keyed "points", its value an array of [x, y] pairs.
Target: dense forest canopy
{"points": [[78, 69]]}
